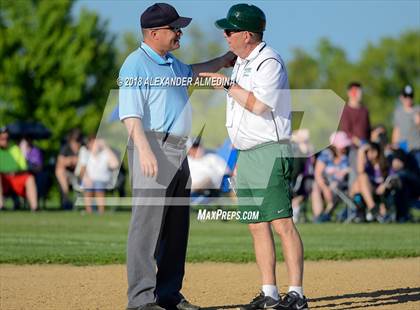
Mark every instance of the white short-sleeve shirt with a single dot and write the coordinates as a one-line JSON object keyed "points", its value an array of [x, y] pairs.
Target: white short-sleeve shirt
{"points": [[263, 72]]}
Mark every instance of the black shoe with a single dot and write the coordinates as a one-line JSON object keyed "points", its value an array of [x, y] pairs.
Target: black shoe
{"points": [[149, 306], [186, 305], [261, 302], [293, 301]]}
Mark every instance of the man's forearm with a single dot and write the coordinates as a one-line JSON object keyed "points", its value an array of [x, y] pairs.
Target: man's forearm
{"points": [[247, 100], [136, 133], [213, 65], [148, 163]]}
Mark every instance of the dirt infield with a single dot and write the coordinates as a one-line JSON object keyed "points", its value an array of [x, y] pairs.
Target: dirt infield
{"points": [[367, 284]]}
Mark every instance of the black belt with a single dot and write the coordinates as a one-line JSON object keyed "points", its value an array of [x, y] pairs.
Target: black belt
{"points": [[166, 137]]}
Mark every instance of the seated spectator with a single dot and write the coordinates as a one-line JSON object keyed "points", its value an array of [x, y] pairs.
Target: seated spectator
{"points": [[372, 170], [15, 179], [379, 135], [34, 159], [66, 164], [403, 182], [207, 170], [33, 155], [331, 171], [303, 173], [96, 172]]}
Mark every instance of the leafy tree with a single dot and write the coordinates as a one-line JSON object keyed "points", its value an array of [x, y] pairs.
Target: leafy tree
{"points": [[303, 71], [130, 42], [385, 68], [53, 68]]}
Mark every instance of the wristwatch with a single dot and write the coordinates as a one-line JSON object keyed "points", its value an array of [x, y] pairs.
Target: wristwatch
{"points": [[228, 84]]}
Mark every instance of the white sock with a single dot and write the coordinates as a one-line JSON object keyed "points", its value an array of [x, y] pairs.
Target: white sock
{"points": [[270, 290], [297, 289]]}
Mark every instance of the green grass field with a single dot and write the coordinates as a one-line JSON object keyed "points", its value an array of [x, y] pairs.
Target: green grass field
{"points": [[69, 237]]}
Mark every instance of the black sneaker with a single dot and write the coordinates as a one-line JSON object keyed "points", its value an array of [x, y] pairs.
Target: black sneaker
{"points": [[261, 302], [186, 305], [293, 301]]}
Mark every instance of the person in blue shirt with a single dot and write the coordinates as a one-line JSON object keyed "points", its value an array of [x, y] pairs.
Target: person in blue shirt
{"points": [[154, 107]]}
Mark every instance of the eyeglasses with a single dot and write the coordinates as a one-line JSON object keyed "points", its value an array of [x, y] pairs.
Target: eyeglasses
{"points": [[229, 32], [174, 29]]}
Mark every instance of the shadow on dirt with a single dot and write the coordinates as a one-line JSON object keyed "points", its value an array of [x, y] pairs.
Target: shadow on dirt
{"points": [[370, 299]]}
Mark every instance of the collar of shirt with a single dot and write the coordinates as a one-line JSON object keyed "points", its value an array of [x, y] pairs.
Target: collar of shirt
{"points": [[167, 60], [253, 54]]}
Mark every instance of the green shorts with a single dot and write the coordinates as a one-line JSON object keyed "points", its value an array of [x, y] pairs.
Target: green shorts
{"points": [[263, 182]]}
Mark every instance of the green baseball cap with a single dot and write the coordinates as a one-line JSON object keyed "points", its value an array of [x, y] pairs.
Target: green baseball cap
{"points": [[242, 16]]}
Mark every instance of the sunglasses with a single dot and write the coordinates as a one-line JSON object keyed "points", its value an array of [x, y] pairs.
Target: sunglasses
{"points": [[174, 29], [229, 32]]}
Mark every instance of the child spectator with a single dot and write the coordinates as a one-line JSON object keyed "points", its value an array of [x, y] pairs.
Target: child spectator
{"points": [[372, 170], [331, 170], [96, 172]]}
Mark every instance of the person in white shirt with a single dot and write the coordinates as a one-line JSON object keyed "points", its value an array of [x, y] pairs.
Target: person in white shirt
{"points": [[206, 170], [96, 165], [258, 120]]}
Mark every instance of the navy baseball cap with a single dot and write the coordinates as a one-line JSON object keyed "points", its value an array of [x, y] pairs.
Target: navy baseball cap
{"points": [[408, 91], [162, 14]]}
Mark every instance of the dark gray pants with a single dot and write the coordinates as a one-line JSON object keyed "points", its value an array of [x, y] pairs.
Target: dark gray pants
{"points": [[158, 233]]}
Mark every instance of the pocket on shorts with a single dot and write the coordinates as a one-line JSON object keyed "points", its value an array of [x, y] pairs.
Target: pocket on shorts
{"points": [[285, 167]]}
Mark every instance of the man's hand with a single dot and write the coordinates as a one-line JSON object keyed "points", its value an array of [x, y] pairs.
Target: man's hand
{"points": [[217, 79], [148, 163]]}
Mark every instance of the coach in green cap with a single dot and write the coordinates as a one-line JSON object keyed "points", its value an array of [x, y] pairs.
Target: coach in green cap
{"points": [[258, 120]]}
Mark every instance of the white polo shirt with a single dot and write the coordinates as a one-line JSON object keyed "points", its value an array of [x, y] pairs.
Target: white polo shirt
{"points": [[263, 72]]}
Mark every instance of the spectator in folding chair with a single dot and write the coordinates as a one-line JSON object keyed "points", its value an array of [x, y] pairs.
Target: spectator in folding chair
{"points": [[42, 174], [331, 171], [14, 175], [372, 170], [403, 182], [303, 173], [206, 170], [66, 164]]}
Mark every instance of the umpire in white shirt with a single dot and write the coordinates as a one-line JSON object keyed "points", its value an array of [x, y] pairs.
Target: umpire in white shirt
{"points": [[258, 120]]}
